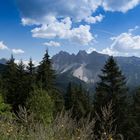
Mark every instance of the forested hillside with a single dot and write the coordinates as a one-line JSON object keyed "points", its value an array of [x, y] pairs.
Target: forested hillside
{"points": [[34, 107]]}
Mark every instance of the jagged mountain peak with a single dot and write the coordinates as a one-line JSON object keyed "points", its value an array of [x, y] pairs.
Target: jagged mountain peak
{"points": [[87, 67], [82, 53]]}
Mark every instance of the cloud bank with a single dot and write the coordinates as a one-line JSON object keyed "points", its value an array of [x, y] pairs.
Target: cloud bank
{"points": [[76, 9], [125, 44]]}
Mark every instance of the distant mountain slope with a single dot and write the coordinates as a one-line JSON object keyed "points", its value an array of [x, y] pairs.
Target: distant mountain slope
{"points": [[3, 61], [87, 67], [2, 64], [84, 68]]}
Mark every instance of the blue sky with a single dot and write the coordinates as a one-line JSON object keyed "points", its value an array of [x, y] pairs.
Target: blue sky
{"points": [[29, 27]]}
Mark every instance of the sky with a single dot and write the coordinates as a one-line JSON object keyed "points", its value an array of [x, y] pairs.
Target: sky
{"points": [[29, 27]]}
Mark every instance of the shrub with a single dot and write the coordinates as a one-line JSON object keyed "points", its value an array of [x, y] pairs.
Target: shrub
{"points": [[4, 108]]}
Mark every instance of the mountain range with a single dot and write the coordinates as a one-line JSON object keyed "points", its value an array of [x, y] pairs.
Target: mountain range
{"points": [[86, 67]]}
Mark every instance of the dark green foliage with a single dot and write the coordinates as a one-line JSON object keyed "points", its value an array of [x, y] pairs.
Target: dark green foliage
{"points": [[4, 108], [76, 99], [46, 80], [10, 80], [31, 75], [42, 105], [46, 75], [22, 91], [31, 68], [68, 97], [35, 89], [58, 99], [15, 79], [135, 116], [20, 82], [112, 88], [137, 106]]}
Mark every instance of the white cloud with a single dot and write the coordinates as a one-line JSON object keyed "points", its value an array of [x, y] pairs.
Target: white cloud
{"points": [[52, 44], [54, 29], [95, 19], [81, 35], [120, 5], [54, 18], [125, 44], [109, 51], [133, 29], [63, 30], [90, 50], [3, 46], [76, 9], [29, 21], [18, 51], [44, 20]]}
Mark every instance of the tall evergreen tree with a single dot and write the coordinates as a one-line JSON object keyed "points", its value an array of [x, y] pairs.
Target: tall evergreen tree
{"points": [[31, 67], [46, 80], [112, 88], [31, 75], [10, 80], [22, 90], [46, 75]]}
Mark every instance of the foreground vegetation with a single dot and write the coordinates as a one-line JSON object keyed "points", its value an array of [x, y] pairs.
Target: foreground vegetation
{"points": [[63, 127], [32, 107]]}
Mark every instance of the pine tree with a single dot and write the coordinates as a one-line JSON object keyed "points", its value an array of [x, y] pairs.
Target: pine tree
{"points": [[31, 75], [46, 75], [112, 88], [46, 81], [31, 67], [22, 90]]}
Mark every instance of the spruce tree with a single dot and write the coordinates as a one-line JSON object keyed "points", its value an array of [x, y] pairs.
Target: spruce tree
{"points": [[46, 75], [31, 75], [31, 67], [46, 80], [22, 90], [112, 88]]}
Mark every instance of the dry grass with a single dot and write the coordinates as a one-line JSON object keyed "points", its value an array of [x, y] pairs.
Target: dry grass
{"points": [[64, 127]]}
